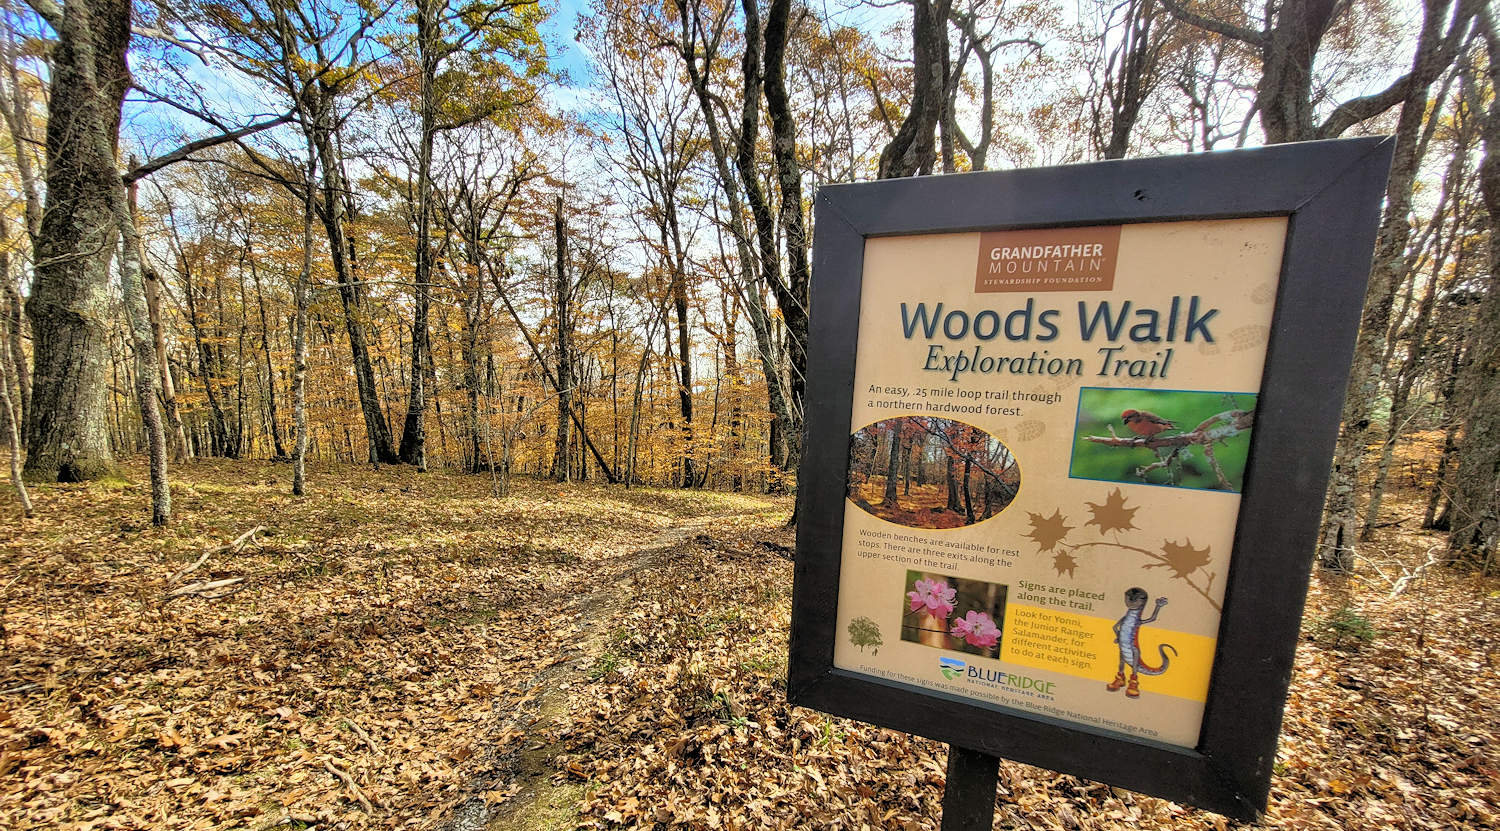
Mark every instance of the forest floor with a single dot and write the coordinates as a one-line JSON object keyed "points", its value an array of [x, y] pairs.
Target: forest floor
{"points": [[920, 506], [404, 650]]}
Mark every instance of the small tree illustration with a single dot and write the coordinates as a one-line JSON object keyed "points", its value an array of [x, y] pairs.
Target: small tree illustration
{"points": [[864, 632]]}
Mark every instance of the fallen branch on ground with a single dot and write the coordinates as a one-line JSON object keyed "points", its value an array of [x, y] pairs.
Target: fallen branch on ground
{"points": [[348, 781], [1407, 577], [202, 588], [230, 548], [365, 737]]}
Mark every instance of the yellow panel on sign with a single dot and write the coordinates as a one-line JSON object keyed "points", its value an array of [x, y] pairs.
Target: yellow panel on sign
{"points": [[1085, 646]]}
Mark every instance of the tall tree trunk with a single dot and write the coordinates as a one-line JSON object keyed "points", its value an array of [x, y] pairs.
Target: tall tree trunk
{"points": [[563, 291], [473, 315], [1131, 76], [67, 428], [893, 465], [1336, 540], [413, 432], [736, 396], [786, 427], [968, 485], [177, 435], [1440, 496], [1417, 346], [684, 356], [1284, 94], [265, 349], [10, 344], [146, 367], [952, 479], [300, 293], [17, 116], [207, 364], [8, 414], [351, 295], [911, 151], [792, 298], [1476, 483]]}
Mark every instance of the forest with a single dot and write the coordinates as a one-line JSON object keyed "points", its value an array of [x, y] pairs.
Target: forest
{"points": [[962, 474], [403, 398]]}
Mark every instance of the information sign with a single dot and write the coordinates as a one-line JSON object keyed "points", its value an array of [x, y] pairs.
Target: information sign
{"points": [[1068, 431]]}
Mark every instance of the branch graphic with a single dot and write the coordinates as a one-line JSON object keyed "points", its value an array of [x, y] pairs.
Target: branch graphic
{"points": [[1216, 428], [1113, 515]]}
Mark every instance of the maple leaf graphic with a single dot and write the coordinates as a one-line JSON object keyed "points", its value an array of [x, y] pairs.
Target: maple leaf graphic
{"points": [[1064, 563], [1183, 559], [1048, 531], [1112, 515]]}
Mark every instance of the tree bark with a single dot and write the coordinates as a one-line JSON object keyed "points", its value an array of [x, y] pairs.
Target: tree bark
{"points": [[351, 295], [8, 415], [893, 465], [413, 448], [300, 292], [762, 263], [1476, 483], [147, 379], [911, 151], [684, 371], [278, 447], [563, 293], [1336, 542], [1130, 76], [952, 479], [792, 297], [67, 428]]}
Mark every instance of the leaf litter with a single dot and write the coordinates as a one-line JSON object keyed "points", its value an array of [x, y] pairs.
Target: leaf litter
{"points": [[383, 662]]}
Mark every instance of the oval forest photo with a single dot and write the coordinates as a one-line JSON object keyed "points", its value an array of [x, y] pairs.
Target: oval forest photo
{"points": [[928, 472]]}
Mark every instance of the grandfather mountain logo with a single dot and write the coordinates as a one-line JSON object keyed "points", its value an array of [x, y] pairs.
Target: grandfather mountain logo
{"points": [[1050, 259], [951, 667]]}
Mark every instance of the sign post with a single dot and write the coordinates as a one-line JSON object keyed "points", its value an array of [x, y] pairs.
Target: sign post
{"points": [[969, 795], [1068, 431]]}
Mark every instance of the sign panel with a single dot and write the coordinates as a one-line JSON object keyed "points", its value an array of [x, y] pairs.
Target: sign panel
{"points": [[1068, 463], [1046, 424]]}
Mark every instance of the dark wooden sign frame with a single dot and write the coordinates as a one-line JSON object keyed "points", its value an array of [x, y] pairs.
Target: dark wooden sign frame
{"points": [[1331, 193]]}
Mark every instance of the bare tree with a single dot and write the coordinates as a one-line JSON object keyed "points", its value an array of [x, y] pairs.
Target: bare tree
{"points": [[1476, 489]]}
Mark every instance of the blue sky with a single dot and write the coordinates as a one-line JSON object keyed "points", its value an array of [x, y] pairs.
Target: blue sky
{"points": [[566, 53]]}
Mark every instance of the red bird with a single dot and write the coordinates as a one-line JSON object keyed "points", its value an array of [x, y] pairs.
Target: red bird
{"points": [[1145, 424]]}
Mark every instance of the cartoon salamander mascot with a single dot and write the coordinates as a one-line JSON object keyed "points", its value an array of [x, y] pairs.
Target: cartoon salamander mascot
{"points": [[1128, 636]]}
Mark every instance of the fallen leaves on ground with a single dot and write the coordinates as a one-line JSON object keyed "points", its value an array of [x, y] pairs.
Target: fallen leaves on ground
{"points": [[395, 632], [390, 628], [690, 727]]}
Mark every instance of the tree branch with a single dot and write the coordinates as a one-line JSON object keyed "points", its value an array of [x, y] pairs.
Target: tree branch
{"points": [[182, 153], [1365, 107], [1233, 421], [50, 12], [1218, 27]]}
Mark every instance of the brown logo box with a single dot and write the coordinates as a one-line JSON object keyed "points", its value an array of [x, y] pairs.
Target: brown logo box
{"points": [[1050, 259]]}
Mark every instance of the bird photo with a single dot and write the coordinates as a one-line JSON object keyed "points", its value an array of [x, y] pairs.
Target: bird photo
{"points": [[1145, 423], [1176, 438]]}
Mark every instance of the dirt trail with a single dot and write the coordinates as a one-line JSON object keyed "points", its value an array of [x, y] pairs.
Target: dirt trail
{"points": [[540, 802]]}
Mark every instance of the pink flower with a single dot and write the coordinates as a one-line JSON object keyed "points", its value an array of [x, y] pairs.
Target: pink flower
{"points": [[977, 629], [935, 597]]}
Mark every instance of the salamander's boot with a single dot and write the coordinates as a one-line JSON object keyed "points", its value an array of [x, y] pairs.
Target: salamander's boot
{"points": [[1133, 690], [1118, 682]]}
